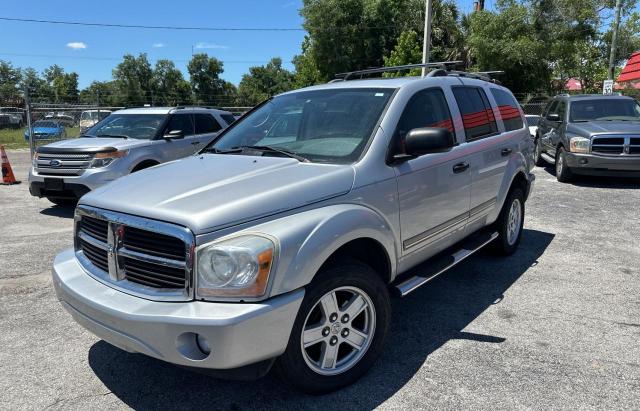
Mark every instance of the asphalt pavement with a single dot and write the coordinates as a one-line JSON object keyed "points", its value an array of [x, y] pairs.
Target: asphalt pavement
{"points": [[555, 326]]}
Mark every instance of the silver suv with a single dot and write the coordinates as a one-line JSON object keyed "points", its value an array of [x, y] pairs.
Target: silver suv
{"points": [[125, 142], [283, 240]]}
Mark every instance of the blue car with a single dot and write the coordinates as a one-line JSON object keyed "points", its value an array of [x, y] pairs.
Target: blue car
{"points": [[46, 130]]}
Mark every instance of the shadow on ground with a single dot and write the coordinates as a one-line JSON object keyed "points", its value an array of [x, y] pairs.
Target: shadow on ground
{"points": [[63, 211], [421, 323], [615, 182]]}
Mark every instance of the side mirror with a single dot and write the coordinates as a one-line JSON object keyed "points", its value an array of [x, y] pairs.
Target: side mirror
{"points": [[420, 141], [554, 117], [173, 135]]}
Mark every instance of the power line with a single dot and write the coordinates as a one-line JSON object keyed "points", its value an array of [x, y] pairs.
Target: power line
{"points": [[140, 26]]}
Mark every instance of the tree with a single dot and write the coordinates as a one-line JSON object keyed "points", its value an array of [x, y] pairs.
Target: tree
{"points": [[9, 81], [208, 87], [62, 87], [169, 86], [101, 93], [407, 51], [134, 80], [263, 82], [37, 86]]}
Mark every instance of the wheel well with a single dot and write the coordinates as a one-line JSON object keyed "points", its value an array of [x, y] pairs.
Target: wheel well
{"points": [[144, 164], [520, 181], [366, 250]]}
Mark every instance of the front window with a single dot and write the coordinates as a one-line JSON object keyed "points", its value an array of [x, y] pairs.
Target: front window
{"points": [[331, 126], [139, 126], [604, 110]]}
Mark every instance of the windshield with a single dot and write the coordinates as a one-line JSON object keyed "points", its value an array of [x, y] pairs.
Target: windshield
{"points": [[140, 126], [330, 126], [604, 110], [48, 124], [532, 121]]}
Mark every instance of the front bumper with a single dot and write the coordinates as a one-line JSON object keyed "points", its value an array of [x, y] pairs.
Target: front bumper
{"points": [[74, 186], [239, 334], [591, 164]]}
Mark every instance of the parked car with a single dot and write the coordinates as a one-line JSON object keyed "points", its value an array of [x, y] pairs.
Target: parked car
{"points": [[62, 118], [283, 250], [46, 130], [124, 142], [89, 118], [11, 117], [532, 123], [590, 135]]}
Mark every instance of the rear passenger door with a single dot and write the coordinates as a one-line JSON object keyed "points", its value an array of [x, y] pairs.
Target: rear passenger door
{"points": [[207, 127], [487, 148], [433, 189]]}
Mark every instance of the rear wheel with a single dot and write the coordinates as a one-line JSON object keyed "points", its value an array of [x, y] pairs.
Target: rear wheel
{"points": [[340, 329], [563, 172], [510, 223]]}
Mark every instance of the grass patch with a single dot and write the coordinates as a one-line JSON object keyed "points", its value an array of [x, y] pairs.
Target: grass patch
{"points": [[13, 138]]}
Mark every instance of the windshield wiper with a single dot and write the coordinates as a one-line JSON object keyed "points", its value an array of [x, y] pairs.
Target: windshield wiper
{"points": [[216, 150], [114, 136], [277, 150]]}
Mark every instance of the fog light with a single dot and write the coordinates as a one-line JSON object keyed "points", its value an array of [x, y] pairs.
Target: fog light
{"points": [[203, 344], [583, 161]]}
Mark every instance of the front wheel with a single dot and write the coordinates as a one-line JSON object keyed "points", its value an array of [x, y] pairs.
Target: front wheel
{"points": [[563, 172], [340, 329], [537, 154]]}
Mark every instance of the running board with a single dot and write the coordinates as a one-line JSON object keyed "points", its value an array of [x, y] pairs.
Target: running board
{"points": [[438, 265], [546, 157]]}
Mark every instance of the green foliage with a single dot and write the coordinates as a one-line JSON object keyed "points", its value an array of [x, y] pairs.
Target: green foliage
{"points": [[133, 80], [100, 93], [9, 79], [169, 86], [263, 82], [408, 50], [207, 86]]}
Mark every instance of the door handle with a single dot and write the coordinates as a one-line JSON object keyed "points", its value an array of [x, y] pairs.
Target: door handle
{"points": [[506, 151], [460, 167]]}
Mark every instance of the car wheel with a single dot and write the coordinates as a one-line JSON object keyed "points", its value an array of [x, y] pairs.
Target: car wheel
{"points": [[563, 172], [537, 154], [63, 201], [510, 223], [339, 331]]}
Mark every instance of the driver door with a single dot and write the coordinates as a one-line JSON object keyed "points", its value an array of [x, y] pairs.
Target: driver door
{"points": [[179, 147]]}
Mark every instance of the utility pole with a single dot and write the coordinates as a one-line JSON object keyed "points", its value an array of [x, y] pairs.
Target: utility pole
{"points": [[614, 40], [427, 35]]}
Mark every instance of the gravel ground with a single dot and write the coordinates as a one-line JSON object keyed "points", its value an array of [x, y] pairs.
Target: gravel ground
{"points": [[556, 325]]}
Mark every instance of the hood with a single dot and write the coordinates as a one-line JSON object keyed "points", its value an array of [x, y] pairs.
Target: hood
{"points": [[210, 192], [591, 128], [97, 143]]}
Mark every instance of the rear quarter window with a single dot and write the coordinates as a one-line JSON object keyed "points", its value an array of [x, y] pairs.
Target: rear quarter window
{"points": [[229, 118], [509, 111]]}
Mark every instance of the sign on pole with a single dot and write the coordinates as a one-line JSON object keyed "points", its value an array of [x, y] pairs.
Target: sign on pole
{"points": [[607, 87]]}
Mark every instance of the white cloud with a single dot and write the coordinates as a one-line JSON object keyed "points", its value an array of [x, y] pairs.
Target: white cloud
{"points": [[205, 45], [77, 45], [157, 45]]}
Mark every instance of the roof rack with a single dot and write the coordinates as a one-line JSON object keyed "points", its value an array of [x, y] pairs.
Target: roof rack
{"points": [[479, 75], [440, 64]]}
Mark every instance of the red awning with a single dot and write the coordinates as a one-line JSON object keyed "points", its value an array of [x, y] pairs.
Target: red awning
{"points": [[631, 71]]}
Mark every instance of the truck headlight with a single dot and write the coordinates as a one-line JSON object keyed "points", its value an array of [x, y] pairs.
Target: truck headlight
{"points": [[579, 144], [237, 267], [104, 159]]}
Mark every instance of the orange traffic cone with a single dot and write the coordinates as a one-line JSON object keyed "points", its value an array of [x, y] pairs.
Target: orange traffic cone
{"points": [[7, 173]]}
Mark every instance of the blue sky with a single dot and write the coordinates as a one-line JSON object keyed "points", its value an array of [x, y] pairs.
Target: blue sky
{"points": [[92, 52]]}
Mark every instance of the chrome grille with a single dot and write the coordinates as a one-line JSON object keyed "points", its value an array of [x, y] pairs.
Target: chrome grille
{"points": [[144, 257], [615, 145], [69, 164]]}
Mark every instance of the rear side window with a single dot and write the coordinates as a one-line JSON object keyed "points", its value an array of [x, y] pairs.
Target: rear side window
{"points": [[426, 108], [477, 115], [509, 110], [205, 123], [229, 118], [182, 122]]}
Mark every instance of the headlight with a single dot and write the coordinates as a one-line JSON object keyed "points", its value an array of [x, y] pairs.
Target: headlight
{"points": [[579, 145], [104, 159], [237, 267]]}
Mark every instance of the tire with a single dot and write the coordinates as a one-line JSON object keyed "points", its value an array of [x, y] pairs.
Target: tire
{"points": [[350, 281], [510, 222], [65, 202], [537, 154], [563, 172]]}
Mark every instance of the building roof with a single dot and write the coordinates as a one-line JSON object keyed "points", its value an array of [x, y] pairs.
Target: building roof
{"points": [[631, 71]]}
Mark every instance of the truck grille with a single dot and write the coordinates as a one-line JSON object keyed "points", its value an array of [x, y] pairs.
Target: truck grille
{"points": [[62, 164], [615, 145], [133, 254]]}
